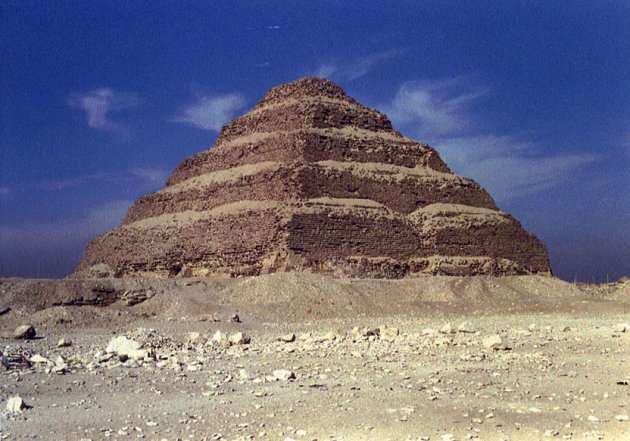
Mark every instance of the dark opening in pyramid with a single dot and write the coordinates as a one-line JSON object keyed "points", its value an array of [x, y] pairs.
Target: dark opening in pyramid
{"points": [[311, 180]]}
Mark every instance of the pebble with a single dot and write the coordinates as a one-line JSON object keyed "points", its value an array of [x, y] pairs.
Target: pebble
{"points": [[15, 404], [123, 346], [466, 328], [220, 339], [239, 339], [447, 329], [622, 327], [492, 341], [287, 338], [64, 342], [283, 374], [24, 332]]}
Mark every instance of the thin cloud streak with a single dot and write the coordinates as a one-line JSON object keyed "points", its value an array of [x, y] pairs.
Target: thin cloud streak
{"points": [[62, 184], [503, 165], [439, 107], [151, 177], [357, 67], [99, 104], [68, 231], [211, 113], [143, 178], [506, 165]]}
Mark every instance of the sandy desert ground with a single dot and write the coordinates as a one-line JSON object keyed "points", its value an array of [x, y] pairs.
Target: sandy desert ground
{"points": [[434, 358]]}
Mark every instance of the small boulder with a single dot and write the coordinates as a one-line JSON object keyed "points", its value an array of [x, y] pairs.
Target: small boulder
{"points": [[287, 338], [283, 374], [125, 347], [492, 342], [24, 332], [60, 362], [239, 339], [64, 342], [195, 339], [389, 333], [235, 318], [122, 345], [220, 339], [329, 336], [15, 404], [447, 329], [38, 359]]}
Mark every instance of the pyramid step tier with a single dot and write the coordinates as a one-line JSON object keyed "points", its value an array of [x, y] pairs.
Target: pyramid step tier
{"points": [[401, 189], [269, 236], [345, 145]]}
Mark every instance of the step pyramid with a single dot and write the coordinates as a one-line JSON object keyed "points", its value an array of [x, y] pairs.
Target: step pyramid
{"points": [[312, 180]]}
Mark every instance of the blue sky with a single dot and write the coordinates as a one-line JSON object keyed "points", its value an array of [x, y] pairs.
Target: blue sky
{"points": [[101, 100]]}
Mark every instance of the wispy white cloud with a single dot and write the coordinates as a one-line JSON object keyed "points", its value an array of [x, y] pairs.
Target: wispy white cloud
{"points": [[211, 113], [99, 104], [354, 68], [152, 177], [508, 166], [143, 178], [325, 71], [62, 184], [68, 231], [439, 107]]}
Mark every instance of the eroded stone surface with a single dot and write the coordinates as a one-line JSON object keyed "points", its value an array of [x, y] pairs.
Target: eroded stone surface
{"points": [[311, 180]]}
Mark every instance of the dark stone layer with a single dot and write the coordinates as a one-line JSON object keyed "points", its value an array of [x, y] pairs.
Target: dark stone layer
{"points": [[314, 181]]}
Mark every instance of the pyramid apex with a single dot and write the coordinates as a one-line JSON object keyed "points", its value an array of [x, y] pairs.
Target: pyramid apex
{"points": [[307, 87]]}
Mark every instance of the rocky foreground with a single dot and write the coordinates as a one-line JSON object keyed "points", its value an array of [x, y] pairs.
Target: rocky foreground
{"points": [[529, 367]]}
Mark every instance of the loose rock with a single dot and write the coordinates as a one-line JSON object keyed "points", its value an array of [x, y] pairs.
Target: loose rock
{"points": [[492, 342], [287, 338], [239, 339], [283, 374], [220, 339], [125, 347], [447, 329], [466, 327], [64, 342], [24, 332], [15, 404]]}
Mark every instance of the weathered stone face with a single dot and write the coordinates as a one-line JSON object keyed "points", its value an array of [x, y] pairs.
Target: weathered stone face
{"points": [[311, 180]]}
